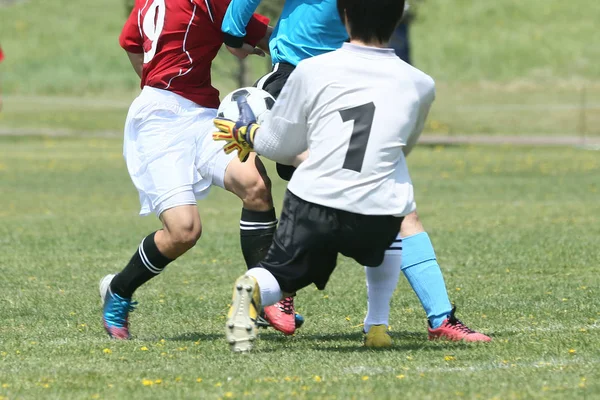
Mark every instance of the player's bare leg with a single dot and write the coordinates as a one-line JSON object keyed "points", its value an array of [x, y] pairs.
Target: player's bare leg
{"points": [[181, 230], [414, 255], [249, 181]]}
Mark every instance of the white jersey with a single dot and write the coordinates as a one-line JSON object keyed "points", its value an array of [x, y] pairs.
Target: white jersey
{"points": [[355, 109]]}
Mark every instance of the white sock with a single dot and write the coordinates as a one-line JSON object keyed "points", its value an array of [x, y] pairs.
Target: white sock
{"points": [[381, 283], [270, 292]]}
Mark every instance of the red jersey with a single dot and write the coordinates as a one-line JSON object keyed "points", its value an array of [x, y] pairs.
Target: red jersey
{"points": [[1, 54], [180, 39]]}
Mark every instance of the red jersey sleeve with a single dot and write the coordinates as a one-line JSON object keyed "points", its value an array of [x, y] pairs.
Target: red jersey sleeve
{"points": [[256, 29], [1, 55], [131, 37]]}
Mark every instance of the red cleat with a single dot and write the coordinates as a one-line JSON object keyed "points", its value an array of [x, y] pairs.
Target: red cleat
{"points": [[453, 329], [281, 316]]}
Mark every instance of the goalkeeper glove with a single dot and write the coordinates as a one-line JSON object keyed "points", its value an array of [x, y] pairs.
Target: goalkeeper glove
{"points": [[238, 135]]}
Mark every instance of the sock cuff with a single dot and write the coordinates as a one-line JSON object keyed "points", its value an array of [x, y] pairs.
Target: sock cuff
{"points": [[258, 216], [417, 249], [151, 257], [257, 222]]}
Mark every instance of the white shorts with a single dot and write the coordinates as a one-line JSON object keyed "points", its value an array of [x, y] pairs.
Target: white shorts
{"points": [[169, 151]]}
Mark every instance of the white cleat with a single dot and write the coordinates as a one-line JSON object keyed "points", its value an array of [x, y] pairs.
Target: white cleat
{"points": [[240, 328]]}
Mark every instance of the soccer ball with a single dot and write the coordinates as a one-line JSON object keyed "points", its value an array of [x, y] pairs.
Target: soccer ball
{"points": [[259, 101]]}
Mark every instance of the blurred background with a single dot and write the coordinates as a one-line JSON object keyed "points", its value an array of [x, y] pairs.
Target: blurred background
{"points": [[503, 68]]}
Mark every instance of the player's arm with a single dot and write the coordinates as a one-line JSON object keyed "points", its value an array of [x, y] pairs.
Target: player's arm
{"points": [[283, 135], [131, 41], [137, 62], [426, 90], [240, 24]]}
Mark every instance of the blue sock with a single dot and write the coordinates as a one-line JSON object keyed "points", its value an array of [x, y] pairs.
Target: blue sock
{"points": [[424, 275]]}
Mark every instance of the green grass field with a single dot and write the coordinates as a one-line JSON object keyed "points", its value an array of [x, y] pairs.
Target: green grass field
{"points": [[515, 228], [516, 231]]}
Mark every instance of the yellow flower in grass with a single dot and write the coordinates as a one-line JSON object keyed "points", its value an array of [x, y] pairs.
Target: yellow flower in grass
{"points": [[218, 384], [198, 380], [229, 394], [449, 358], [317, 378], [147, 382], [158, 381], [143, 348], [572, 351], [401, 376], [365, 378], [107, 351], [178, 379], [5, 385]]}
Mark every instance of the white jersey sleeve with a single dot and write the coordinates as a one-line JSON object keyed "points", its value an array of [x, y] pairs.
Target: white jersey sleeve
{"points": [[282, 135], [426, 88]]}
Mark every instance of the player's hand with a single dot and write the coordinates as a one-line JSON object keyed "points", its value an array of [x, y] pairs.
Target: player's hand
{"points": [[245, 51], [238, 135]]}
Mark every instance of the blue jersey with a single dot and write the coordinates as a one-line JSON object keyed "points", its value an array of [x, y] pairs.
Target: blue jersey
{"points": [[305, 29]]}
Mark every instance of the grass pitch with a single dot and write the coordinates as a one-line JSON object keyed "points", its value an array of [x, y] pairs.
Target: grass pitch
{"points": [[516, 232]]}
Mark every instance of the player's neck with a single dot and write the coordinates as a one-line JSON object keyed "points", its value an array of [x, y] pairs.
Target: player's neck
{"points": [[375, 43]]}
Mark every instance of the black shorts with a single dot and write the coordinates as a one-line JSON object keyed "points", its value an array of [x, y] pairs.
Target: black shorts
{"points": [[273, 82], [310, 236]]}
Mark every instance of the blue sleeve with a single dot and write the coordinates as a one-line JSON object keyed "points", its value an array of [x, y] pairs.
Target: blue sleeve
{"points": [[237, 16]]}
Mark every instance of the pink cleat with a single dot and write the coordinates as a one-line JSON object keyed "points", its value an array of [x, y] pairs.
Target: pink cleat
{"points": [[282, 316], [453, 329]]}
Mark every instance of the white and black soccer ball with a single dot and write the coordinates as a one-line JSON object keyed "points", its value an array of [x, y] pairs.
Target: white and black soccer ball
{"points": [[259, 101]]}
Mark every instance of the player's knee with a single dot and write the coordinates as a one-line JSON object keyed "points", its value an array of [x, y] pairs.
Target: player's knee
{"points": [[411, 225], [185, 236]]}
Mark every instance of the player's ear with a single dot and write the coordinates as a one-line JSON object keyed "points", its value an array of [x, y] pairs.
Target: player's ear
{"points": [[246, 113]]}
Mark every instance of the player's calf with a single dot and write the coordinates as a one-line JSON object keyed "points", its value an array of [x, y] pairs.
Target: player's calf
{"points": [[182, 228]]}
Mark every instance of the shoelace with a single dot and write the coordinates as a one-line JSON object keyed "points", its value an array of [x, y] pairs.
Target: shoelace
{"points": [[120, 309], [458, 325], [287, 305]]}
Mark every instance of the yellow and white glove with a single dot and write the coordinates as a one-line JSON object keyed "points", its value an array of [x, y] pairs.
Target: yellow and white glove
{"points": [[238, 135]]}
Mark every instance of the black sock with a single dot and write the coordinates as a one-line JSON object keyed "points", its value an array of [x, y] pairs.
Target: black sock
{"points": [[146, 263], [256, 234]]}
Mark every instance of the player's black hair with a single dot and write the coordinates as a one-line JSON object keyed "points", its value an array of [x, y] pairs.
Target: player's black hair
{"points": [[370, 20]]}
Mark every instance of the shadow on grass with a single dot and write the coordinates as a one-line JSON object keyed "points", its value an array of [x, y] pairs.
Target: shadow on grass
{"points": [[334, 342]]}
